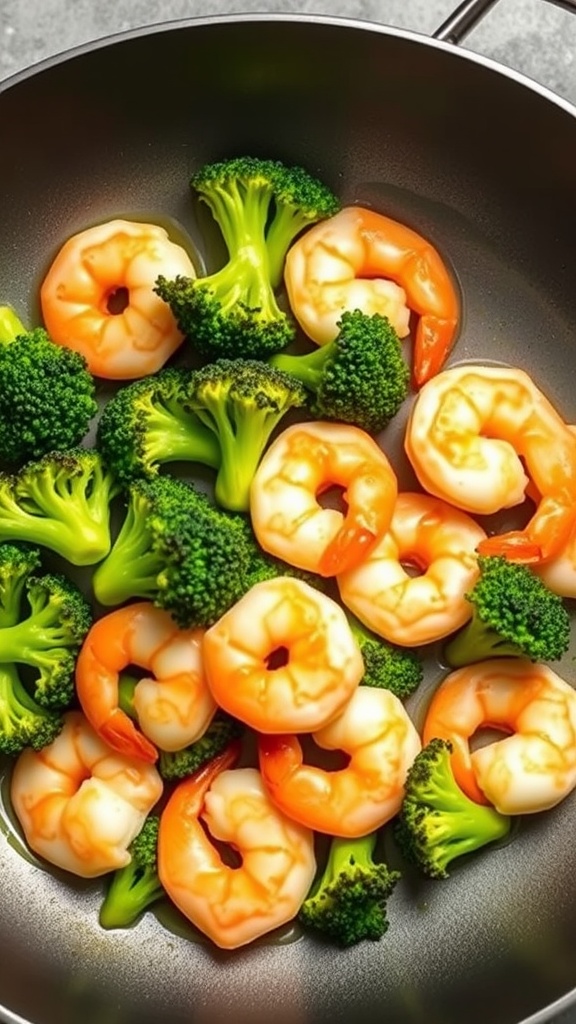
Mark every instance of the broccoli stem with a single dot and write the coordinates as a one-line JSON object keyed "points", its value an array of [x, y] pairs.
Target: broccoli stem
{"points": [[477, 641], [173, 440], [308, 369], [11, 327], [132, 890], [286, 224], [131, 568], [22, 641]]}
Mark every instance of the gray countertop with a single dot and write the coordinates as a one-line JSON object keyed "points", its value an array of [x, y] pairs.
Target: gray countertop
{"points": [[534, 37]]}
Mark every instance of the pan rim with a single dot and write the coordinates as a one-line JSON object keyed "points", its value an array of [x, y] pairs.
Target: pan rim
{"points": [[547, 1014], [334, 21]]}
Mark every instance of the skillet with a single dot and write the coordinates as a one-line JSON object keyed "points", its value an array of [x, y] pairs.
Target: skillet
{"points": [[481, 161]]}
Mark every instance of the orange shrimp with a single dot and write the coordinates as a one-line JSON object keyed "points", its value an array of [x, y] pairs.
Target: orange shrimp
{"points": [[319, 668], [376, 733], [361, 259], [174, 708], [98, 298], [474, 434], [233, 905], [531, 770], [303, 462]]}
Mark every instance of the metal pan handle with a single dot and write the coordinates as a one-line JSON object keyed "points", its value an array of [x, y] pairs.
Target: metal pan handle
{"points": [[469, 13]]}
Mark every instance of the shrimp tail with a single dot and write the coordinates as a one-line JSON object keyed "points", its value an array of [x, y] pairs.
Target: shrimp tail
{"points": [[187, 800], [546, 534], [120, 733], [346, 550], [433, 343], [278, 756]]}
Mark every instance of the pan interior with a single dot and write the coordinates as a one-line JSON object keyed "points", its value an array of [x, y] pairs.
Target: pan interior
{"points": [[483, 166]]}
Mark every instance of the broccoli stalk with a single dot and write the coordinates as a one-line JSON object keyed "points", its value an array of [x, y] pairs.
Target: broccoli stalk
{"points": [[437, 822], [360, 377], [176, 549], [348, 901], [146, 425], [135, 887], [397, 669], [18, 562], [241, 401], [234, 311], [62, 502], [23, 723], [514, 615], [48, 635], [47, 394]]}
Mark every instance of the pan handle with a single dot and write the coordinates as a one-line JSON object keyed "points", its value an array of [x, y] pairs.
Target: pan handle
{"points": [[469, 13]]}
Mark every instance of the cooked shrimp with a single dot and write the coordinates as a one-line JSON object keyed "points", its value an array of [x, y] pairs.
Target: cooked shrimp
{"points": [[559, 573], [79, 803], [374, 730], [360, 259], [535, 767], [233, 905], [303, 462], [439, 541], [470, 430], [173, 708], [98, 297], [283, 658]]}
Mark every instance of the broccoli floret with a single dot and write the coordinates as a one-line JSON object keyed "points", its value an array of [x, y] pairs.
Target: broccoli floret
{"points": [[178, 764], [61, 502], [514, 615], [234, 311], [137, 886], [437, 821], [49, 632], [46, 392], [145, 425], [23, 723], [176, 549], [359, 378], [17, 563], [348, 901], [241, 401], [398, 669]]}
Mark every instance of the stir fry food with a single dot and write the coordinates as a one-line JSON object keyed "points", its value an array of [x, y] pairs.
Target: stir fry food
{"points": [[215, 614]]}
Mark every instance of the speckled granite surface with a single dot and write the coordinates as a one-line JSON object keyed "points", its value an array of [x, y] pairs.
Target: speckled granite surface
{"points": [[531, 36]]}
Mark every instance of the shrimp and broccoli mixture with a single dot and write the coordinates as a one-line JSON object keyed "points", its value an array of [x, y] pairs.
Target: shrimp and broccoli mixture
{"points": [[238, 672]]}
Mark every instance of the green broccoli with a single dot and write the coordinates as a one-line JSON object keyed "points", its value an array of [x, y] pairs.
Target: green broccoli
{"points": [[136, 886], [146, 424], [234, 311], [23, 723], [52, 624], [359, 378], [18, 562], [437, 822], [348, 901], [174, 765], [61, 502], [46, 393], [241, 401], [514, 615], [398, 669], [176, 549]]}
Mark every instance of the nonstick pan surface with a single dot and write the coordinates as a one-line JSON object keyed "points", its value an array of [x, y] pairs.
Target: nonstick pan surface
{"points": [[481, 162]]}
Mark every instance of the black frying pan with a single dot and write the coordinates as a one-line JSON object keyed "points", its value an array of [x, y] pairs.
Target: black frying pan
{"points": [[482, 162]]}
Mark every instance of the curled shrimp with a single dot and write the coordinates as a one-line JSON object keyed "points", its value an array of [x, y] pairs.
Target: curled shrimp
{"points": [[174, 706], [98, 297], [282, 658], [233, 905], [381, 742], [79, 803], [559, 573], [360, 259], [470, 432], [303, 462], [534, 768], [439, 541]]}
